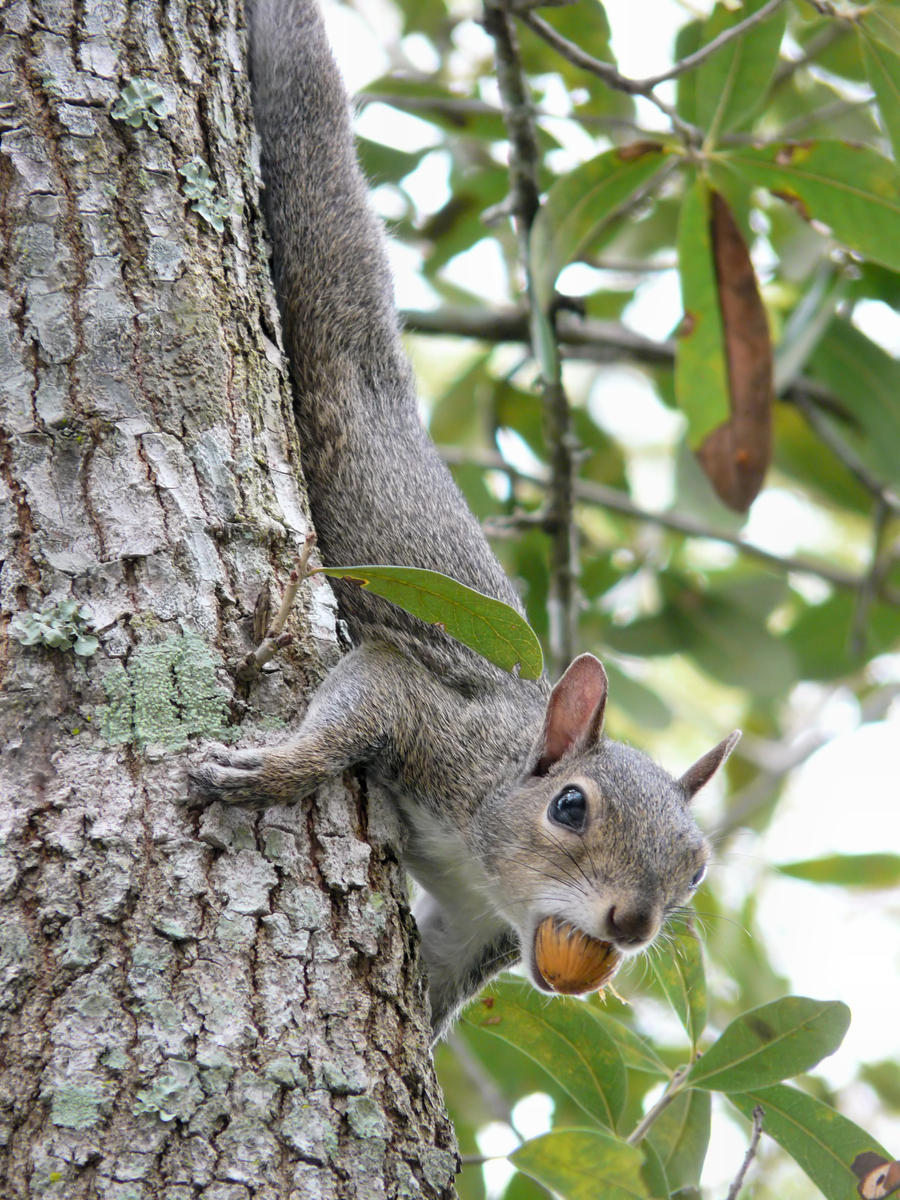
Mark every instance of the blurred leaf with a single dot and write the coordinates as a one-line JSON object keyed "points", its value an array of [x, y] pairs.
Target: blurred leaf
{"points": [[701, 373], [521, 1187], [642, 703], [773, 1042], [732, 84], [486, 625], [724, 639], [807, 324], [583, 1164], [852, 189], [850, 870], [681, 1136], [799, 454], [653, 1172], [884, 1078], [882, 20], [819, 1139], [688, 39], [677, 965], [841, 55], [883, 69], [867, 381], [637, 1052], [579, 204], [563, 1037], [385, 164], [820, 637]]}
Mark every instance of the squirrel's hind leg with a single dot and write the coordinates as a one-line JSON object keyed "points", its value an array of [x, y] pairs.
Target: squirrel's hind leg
{"points": [[344, 726]]}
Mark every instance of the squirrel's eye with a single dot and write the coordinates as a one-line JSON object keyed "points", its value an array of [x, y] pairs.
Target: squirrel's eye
{"points": [[699, 876], [569, 808]]}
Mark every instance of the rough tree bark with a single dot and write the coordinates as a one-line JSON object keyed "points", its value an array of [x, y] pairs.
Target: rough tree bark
{"points": [[220, 1004]]}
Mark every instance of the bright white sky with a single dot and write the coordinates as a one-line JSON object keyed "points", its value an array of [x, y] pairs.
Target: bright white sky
{"points": [[846, 798]]}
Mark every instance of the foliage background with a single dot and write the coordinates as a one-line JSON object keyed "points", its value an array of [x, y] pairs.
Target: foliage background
{"points": [[792, 644]]}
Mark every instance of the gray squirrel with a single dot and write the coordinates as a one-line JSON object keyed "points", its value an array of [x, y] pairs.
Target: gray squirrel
{"points": [[516, 808]]}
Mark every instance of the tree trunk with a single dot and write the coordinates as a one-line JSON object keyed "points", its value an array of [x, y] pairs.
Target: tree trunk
{"points": [[217, 1003]]}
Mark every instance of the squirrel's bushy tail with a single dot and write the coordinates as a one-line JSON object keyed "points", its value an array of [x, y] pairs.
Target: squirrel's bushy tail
{"points": [[331, 271], [378, 489]]}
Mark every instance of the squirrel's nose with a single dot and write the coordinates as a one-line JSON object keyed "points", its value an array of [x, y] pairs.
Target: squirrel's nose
{"points": [[631, 926]]}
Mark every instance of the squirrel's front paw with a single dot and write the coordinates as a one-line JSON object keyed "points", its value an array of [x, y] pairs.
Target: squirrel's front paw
{"points": [[233, 776]]}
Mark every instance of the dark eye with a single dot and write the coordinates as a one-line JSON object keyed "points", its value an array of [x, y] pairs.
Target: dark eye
{"points": [[569, 808], [699, 876]]}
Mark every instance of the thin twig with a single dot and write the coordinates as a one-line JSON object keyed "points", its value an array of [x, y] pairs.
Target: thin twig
{"points": [[738, 1183], [690, 61], [574, 54], [275, 638], [868, 590]]}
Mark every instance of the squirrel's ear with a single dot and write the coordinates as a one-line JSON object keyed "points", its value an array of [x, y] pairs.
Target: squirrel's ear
{"points": [[574, 715], [704, 768]]}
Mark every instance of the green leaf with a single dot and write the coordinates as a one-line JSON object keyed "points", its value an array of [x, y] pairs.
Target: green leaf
{"points": [[583, 1164], [822, 1142], [732, 84], [773, 1042], [580, 204], [701, 373], [882, 21], [637, 1053], [680, 1135], [852, 189], [564, 1037], [677, 965], [850, 870], [867, 380], [883, 70], [484, 624], [821, 637], [653, 1172]]}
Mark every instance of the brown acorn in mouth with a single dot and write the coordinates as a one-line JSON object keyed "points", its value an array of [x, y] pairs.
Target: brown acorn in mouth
{"points": [[571, 962]]}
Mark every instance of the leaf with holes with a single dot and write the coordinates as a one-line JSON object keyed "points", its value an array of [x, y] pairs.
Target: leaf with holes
{"points": [[822, 1142], [851, 189]]}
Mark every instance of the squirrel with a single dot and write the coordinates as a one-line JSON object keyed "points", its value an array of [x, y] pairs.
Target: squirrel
{"points": [[515, 806]]}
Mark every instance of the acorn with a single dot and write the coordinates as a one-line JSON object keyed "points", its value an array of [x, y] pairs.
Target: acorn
{"points": [[571, 962]]}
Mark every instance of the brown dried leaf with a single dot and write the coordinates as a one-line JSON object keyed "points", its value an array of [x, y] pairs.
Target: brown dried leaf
{"points": [[736, 455]]}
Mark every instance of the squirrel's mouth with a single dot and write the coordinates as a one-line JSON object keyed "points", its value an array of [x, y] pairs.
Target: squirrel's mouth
{"points": [[565, 959]]}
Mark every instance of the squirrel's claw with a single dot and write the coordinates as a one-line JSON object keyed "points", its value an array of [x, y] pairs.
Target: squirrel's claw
{"points": [[232, 776]]}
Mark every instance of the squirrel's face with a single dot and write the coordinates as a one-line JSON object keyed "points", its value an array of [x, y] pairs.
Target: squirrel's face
{"points": [[595, 834], [605, 842]]}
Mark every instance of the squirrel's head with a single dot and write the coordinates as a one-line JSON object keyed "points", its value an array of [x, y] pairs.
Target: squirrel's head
{"points": [[603, 839]]}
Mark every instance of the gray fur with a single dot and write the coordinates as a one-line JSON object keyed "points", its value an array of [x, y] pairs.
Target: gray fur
{"points": [[471, 754]]}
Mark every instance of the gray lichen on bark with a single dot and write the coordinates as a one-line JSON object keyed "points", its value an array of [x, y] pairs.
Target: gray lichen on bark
{"points": [[224, 1004]]}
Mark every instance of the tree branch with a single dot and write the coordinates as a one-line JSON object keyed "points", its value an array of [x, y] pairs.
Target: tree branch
{"points": [[573, 53], [609, 341], [561, 444], [588, 492]]}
